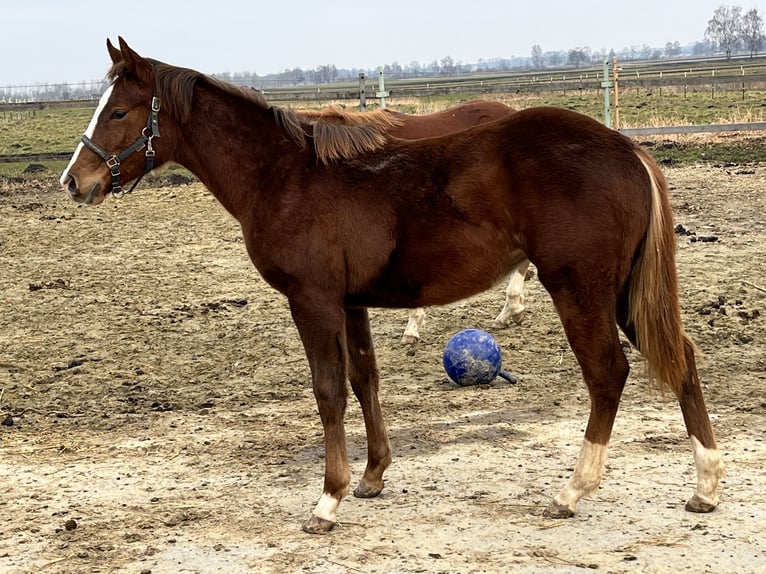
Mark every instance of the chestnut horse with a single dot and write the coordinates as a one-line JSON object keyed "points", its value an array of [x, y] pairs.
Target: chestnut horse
{"points": [[412, 127], [399, 223]]}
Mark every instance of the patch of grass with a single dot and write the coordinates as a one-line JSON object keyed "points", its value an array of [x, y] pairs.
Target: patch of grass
{"points": [[16, 169], [719, 149], [43, 131]]}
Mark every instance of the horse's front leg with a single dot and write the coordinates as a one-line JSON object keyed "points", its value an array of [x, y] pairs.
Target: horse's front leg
{"points": [[414, 325], [363, 374], [321, 325]]}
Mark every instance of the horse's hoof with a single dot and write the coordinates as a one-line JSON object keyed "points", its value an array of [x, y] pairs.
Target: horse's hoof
{"points": [[696, 504], [504, 323], [316, 525], [363, 490], [556, 510], [409, 340]]}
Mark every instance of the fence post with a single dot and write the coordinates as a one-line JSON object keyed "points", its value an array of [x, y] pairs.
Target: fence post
{"points": [[381, 93], [606, 84], [362, 93], [616, 74], [743, 82]]}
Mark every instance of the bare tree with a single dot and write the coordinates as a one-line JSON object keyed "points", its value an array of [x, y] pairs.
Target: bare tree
{"points": [[578, 57], [555, 58], [752, 31], [448, 65], [672, 49], [414, 67], [724, 29], [538, 61], [326, 74]]}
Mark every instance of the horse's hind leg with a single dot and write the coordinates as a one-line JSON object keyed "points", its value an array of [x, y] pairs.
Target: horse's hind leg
{"points": [[592, 334], [363, 375], [707, 458], [513, 309], [414, 324]]}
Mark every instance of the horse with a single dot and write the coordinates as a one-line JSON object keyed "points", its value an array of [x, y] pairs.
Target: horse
{"points": [[406, 126], [411, 223]]}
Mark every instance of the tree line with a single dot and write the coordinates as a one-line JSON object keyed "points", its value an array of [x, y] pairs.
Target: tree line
{"points": [[729, 31]]}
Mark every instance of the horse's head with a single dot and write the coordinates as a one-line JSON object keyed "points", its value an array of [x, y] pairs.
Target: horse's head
{"points": [[119, 144]]}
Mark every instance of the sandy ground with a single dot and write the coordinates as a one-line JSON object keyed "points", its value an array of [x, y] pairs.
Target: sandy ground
{"points": [[158, 416]]}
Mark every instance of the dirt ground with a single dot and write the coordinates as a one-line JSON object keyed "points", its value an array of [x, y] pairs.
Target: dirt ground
{"points": [[158, 416]]}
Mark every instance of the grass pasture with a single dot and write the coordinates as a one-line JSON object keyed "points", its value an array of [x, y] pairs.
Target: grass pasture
{"points": [[57, 129]]}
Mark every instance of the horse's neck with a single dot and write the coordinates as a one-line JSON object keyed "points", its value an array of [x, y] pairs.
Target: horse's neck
{"points": [[229, 144]]}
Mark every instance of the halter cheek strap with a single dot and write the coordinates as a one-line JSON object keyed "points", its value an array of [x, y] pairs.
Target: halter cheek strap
{"points": [[113, 161]]}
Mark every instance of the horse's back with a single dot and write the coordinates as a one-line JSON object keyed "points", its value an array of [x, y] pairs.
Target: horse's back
{"points": [[453, 119], [562, 159]]}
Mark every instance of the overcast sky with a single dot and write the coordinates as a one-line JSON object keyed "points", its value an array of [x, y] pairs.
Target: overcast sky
{"points": [[50, 41]]}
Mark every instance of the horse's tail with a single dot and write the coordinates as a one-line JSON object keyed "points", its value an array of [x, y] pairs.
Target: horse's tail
{"points": [[654, 310]]}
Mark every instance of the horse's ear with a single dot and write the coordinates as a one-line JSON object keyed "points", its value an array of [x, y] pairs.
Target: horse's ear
{"points": [[114, 53], [140, 67]]}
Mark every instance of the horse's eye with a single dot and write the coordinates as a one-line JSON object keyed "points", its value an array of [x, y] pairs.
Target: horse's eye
{"points": [[118, 114]]}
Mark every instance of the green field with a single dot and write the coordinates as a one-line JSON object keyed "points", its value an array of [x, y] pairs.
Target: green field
{"points": [[58, 129], [42, 131]]}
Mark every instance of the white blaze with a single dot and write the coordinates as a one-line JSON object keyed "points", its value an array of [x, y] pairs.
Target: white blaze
{"points": [[88, 132]]}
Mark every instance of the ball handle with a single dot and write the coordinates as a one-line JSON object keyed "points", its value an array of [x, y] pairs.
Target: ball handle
{"points": [[508, 377]]}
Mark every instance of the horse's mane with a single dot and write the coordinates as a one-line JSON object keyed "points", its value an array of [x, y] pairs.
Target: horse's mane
{"points": [[382, 118], [336, 134], [339, 134]]}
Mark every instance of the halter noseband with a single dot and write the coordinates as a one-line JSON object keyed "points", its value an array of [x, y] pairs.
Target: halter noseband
{"points": [[151, 131]]}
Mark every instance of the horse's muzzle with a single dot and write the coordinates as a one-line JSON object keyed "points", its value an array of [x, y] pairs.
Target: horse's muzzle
{"points": [[93, 196], [70, 186]]}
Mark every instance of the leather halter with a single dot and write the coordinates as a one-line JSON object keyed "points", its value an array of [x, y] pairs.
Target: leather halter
{"points": [[151, 131]]}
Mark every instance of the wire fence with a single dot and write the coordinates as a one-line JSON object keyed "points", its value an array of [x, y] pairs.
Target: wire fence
{"points": [[686, 73]]}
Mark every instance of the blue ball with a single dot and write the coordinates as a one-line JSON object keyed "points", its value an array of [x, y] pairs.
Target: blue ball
{"points": [[472, 357]]}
